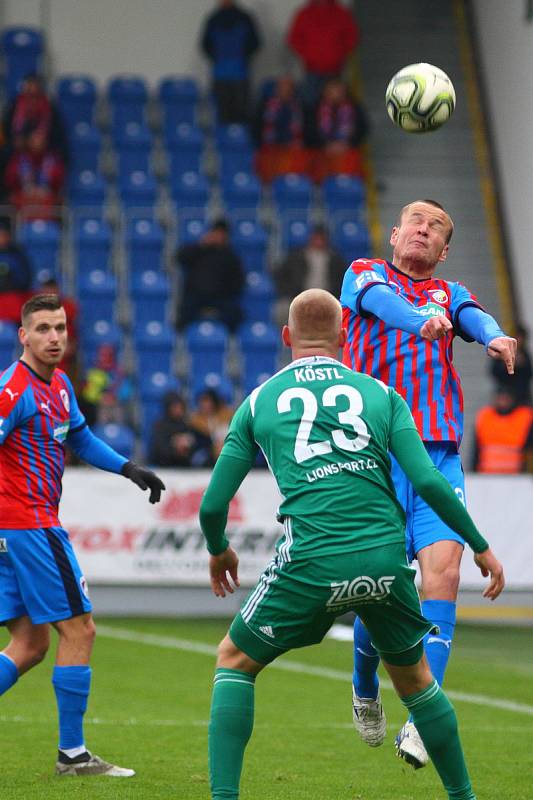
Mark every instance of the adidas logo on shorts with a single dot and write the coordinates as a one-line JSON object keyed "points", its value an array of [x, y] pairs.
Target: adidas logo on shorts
{"points": [[267, 630]]}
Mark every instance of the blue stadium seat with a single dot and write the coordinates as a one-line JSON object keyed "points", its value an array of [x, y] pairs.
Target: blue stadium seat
{"points": [[178, 97], [42, 242], [22, 49], [85, 143], [97, 293], [191, 229], [351, 239], [92, 244], [152, 389], [8, 343], [241, 193], [149, 292], [87, 189], [250, 240], [253, 378], [191, 191], [154, 346], [76, 98], [133, 146], [258, 297], [120, 437], [185, 147], [127, 96], [295, 233], [344, 193], [98, 332], [292, 193], [217, 381], [138, 190], [206, 344], [259, 346], [144, 245]]}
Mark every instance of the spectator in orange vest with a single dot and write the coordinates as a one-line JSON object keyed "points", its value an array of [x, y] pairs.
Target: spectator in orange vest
{"points": [[504, 436]]}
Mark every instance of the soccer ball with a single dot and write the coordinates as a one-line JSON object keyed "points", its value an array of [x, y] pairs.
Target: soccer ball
{"points": [[420, 98]]}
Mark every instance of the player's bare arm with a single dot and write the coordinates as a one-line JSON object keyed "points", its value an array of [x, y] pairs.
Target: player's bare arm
{"points": [[489, 565], [503, 348], [221, 569]]}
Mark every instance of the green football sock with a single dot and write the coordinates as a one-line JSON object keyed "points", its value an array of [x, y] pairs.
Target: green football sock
{"points": [[435, 720], [230, 727]]}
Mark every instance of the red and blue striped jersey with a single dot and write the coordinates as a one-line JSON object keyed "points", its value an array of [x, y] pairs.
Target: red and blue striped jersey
{"points": [[422, 372], [35, 419]]}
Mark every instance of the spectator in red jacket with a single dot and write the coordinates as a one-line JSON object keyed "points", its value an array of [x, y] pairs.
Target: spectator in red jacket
{"points": [[34, 177], [322, 34]]}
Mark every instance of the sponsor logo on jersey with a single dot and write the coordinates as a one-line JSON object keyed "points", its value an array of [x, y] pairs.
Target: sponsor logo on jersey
{"points": [[341, 466], [360, 590], [3, 545], [66, 399], [431, 310], [60, 433], [368, 276], [438, 295], [46, 407]]}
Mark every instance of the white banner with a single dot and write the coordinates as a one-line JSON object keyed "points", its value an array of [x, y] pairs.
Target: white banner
{"points": [[120, 538]]}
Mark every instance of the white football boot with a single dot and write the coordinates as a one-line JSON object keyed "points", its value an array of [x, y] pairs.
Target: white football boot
{"points": [[88, 764], [369, 719], [410, 746]]}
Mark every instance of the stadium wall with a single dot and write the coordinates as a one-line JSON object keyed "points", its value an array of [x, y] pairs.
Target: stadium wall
{"points": [[505, 44]]}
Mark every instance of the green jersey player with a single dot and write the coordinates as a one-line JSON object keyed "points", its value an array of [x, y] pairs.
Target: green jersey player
{"points": [[326, 432]]}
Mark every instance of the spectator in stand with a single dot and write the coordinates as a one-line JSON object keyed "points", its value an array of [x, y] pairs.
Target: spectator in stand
{"points": [[175, 442], [213, 279], [15, 275], [504, 436], [280, 131], [340, 126], [229, 40], [32, 111], [316, 266], [69, 362], [520, 382], [106, 390], [322, 34], [212, 418], [34, 178]]}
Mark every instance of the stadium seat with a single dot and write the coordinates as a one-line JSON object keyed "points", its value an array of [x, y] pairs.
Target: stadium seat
{"points": [[97, 293], [250, 240], [351, 239], [292, 194], [241, 193], [178, 97], [127, 96], [133, 146], [206, 344], [343, 193], [144, 245], [76, 98], [185, 146], [235, 149], [87, 189], [92, 244], [191, 191], [149, 292], [191, 229], [154, 346], [294, 233], [98, 332], [152, 389], [120, 437], [217, 381], [85, 143], [42, 242], [259, 346], [138, 190], [8, 343], [22, 50], [258, 297]]}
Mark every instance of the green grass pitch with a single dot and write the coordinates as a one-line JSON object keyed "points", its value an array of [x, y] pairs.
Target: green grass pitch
{"points": [[149, 710]]}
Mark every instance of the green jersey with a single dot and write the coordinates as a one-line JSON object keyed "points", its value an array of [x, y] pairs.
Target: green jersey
{"points": [[325, 432]]}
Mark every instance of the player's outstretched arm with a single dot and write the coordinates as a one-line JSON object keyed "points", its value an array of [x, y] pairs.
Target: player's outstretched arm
{"points": [[144, 479], [489, 565], [381, 300], [503, 348], [484, 329]]}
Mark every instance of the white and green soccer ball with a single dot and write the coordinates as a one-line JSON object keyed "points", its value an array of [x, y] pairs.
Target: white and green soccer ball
{"points": [[420, 98]]}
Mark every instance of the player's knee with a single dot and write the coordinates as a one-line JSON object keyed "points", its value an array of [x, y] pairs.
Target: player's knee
{"points": [[89, 631], [230, 657], [442, 584]]}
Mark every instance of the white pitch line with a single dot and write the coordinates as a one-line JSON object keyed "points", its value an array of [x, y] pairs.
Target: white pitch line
{"points": [[171, 643]]}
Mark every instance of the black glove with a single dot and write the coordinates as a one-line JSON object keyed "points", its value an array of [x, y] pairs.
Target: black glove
{"points": [[145, 479]]}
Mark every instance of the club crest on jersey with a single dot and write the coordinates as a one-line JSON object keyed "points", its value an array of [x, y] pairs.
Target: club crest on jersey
{"points": [[66, 399], [83, 586], [438, 296]]}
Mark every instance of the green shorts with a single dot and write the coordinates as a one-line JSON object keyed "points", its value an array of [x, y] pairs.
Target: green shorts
{"points": [[295, 603]]}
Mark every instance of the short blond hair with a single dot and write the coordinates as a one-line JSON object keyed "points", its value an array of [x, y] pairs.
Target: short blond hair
{"points": [[315, 318]]}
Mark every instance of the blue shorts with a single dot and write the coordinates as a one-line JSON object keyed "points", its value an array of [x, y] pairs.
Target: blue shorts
{"points": [[423, 525], [40, 576]]}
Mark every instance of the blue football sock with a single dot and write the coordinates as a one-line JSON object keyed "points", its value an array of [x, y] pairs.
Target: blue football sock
{"points": [[71, 685], [438, 646], [365, 663], [8, 673]]}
